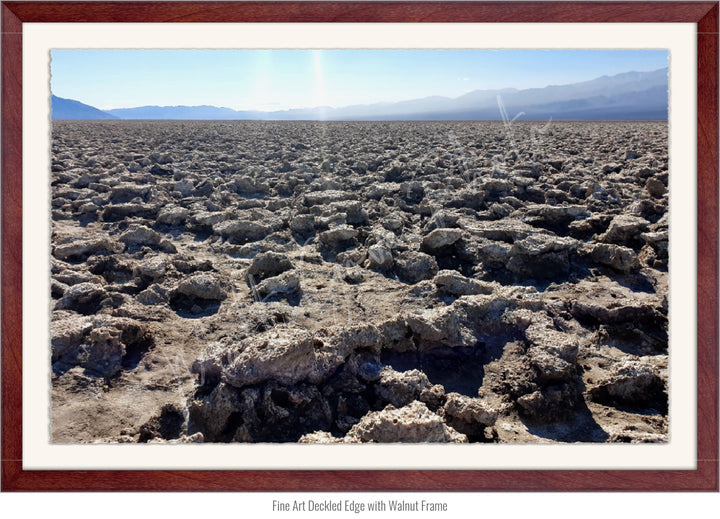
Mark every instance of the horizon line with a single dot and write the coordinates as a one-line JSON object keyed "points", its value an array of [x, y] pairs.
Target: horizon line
{"points": [[332, 107]]}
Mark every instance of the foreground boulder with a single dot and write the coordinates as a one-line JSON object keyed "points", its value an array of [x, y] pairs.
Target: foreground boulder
{"points": [[285, 284], [631, 383], [338, 235], [98, 344], [268, 264], [399, 389], [84, 298], [541, 256], [470, 416], [202, 286], [81, 249], [412, 266], [438, 239], [622, 259], [456, 284], [414, 423], [284, 355]]}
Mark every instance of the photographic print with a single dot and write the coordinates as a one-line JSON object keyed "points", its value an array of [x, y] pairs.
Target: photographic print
{"points": [[341, 246], [359, 246]]}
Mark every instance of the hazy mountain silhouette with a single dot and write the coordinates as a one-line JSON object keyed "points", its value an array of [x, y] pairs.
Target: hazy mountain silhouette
{"points": [[175, 112], [626, 96], [71, 109]]}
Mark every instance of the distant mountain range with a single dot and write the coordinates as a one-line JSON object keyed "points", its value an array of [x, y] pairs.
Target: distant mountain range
{"points": [[71, 109], [627, 96]]}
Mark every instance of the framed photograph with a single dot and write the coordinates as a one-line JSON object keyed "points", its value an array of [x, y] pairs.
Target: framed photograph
{"points": [[360, 246]]}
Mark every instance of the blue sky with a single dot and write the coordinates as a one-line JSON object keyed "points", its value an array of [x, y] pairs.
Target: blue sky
{"points": [[282, 79]]}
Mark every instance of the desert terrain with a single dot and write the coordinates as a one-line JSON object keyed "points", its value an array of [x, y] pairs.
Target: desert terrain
{"points": [[345, 282]]}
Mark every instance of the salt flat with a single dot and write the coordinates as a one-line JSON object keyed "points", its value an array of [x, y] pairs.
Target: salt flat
{"points": [[359, 281]]}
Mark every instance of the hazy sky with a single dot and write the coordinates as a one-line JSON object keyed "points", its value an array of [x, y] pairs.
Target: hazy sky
{"points": [[281, 79]]}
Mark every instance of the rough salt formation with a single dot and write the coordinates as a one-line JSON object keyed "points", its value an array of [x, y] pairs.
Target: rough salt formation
{"points": [[359, 282], [414, 423]]}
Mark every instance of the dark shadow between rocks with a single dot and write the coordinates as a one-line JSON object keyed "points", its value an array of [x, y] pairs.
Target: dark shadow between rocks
{"points": [[459, 370], [638, 282], [167, 425], [576, 273], [451, 261], [653, 401], [175, 231], [292, 299], [87, 219], [193, 307], [90, 306], [60, 367], [111, 268], [330, 254], [582, 428], [201, 234], [235, 420], [135, 350], [636, 338], [303, 239]]}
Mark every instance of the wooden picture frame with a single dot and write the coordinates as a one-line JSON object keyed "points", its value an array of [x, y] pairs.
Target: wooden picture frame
{"points": [[703, 478]]}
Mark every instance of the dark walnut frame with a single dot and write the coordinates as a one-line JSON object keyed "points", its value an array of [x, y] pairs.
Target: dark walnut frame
{"points": [[704, 477]]}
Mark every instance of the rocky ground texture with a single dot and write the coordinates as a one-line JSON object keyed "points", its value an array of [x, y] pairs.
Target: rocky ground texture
{"points": [[359, 282]]}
